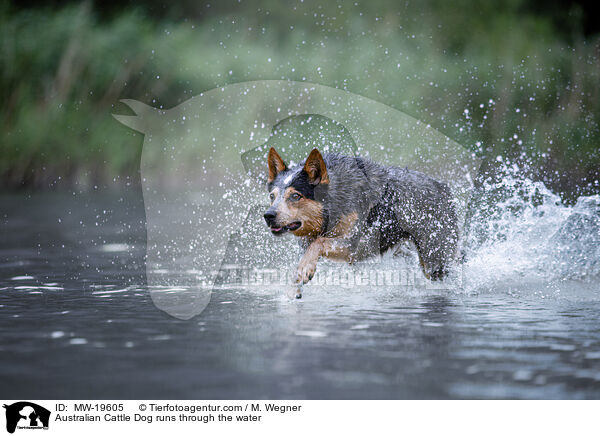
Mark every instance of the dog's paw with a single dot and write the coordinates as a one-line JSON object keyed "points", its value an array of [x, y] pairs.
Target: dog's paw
{"points": [[306, 270], [294, 292]]}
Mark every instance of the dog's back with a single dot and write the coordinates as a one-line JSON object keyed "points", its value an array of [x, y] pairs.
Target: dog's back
{"points": [[393, 204]]}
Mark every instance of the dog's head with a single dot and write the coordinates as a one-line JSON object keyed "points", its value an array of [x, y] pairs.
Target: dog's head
{"points": [[294, 207]]}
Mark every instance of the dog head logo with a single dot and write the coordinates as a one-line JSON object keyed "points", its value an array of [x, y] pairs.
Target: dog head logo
{"points": [[203, 172], [26, 415]]}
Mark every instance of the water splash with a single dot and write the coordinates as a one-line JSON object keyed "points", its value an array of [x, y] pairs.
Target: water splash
{"points": [[522, 234]]}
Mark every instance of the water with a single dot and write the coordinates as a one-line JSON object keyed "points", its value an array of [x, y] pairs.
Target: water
{"points": [[77, 320]]}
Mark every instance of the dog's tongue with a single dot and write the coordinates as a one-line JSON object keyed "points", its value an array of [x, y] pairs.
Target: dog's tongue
{"points": [[275, 229]]}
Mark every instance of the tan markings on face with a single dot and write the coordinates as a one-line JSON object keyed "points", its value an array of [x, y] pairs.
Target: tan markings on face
{"points": [[344, 226], [308, 212]]}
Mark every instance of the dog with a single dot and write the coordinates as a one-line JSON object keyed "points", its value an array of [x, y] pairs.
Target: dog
{"points": [[348, 208]]}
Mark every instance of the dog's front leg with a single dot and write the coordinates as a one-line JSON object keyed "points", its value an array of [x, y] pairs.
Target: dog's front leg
{"points": [[321, 246], [307, 267], [308, 264]]}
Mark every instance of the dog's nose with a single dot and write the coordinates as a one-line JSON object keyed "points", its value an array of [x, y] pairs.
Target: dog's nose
{"points": [[270, 216]]}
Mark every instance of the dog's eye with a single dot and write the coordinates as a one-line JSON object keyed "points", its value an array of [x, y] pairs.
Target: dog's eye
{"points": [[272, 196], [295, 196]]}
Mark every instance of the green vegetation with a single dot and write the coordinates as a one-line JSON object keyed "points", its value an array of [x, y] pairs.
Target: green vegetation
{"points": [[490, 75]]}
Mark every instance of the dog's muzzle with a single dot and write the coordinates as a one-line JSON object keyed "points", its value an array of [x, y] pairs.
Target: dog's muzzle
{"points": [[278, 229], [270, 216]]}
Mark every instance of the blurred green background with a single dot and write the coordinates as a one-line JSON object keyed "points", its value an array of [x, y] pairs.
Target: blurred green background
{"points": [[517, 78]]}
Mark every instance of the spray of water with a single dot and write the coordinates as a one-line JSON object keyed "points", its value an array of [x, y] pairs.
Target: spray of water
{"points": [[522, 234]]}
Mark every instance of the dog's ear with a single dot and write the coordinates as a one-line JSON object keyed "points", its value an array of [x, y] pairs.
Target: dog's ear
{"points": [[315, 168], [276, 164]]}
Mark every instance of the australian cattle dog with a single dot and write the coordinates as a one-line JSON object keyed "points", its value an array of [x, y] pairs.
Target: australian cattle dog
{"points": [[348, 208]]}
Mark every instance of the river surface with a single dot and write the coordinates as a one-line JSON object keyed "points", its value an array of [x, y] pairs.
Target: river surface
{"points": [[77, 321]]}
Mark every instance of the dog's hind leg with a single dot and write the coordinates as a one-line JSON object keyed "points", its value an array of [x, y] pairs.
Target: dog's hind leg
{"points": [[436, 255], [431, 269]]}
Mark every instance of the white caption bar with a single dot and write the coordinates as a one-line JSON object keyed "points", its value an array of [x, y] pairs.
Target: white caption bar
{"points": [[160, 417]]}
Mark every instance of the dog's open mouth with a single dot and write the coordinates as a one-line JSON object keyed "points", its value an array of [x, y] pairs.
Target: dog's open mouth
{"points": [[289, 228]]}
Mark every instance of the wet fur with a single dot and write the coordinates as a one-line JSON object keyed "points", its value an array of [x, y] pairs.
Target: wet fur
{"points": [[352, 208]]}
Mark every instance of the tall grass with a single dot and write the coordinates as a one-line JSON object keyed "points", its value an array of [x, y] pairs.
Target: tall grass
{"points": [[490, 76]]}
